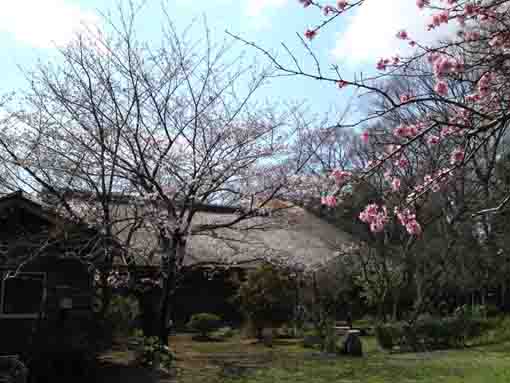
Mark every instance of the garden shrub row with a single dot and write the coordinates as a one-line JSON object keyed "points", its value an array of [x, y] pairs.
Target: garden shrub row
{"points": [[429, 333]]}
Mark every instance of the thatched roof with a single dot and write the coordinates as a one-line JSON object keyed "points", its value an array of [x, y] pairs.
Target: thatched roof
{"points": [[285, 234]]}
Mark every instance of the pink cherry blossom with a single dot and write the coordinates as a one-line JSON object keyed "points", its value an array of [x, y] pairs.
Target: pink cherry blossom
{"points": [[474, 97], [402, 163], [444, 16], [328, 9], [341, 84], [395, 184], [441, 88], [472, 36], [458, 66], [306, 3], [432, 57], [375, 216], [340, 176], [457, 156], [365, 136], [377, 226], [402, 35], [436, 21], [310, 34], [405, 97], [433, 140], [329, 201], [342, 4], [382, 64], [408, 220], [414, 228], [400, 131], [404, 216], [422, 3], [470, 9], [484, 84]]}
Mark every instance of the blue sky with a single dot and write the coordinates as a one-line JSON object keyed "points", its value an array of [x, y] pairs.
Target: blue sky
{"points": [[30, 29]]}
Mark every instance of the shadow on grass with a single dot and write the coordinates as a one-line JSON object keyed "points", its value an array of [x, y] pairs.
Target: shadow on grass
{"points": [[120, 367]]}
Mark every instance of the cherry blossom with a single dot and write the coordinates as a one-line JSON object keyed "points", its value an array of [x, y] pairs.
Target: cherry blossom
{"points": [[441, 88], [467, 103], [340, 176], [402, 35], [422, 3], [406, 97], [457, 156], [433, 140], [375, 216], [310, 34], [408, 220], [365, 136], [329, 201], [327, 9], [306, 3], [342, 83], [395, 184], [342, 4]]}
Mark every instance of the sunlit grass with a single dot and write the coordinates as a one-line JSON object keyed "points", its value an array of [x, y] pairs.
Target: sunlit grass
{"points": [[243, 361]]}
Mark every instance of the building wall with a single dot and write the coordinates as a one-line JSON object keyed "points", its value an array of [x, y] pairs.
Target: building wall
{"points": [[65, 278]]}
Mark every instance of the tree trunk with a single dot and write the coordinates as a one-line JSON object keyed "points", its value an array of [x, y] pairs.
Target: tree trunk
{"points": [[169, 263], [503, 298], [106, 293], [174, 251], [394, 314]]}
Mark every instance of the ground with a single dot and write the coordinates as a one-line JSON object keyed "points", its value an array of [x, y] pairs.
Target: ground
{"points": [[243, 361], [237, 361]]}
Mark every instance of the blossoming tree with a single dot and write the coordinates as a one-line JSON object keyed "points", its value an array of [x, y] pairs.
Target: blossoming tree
{"points": [[456, 126], [168, 128]]}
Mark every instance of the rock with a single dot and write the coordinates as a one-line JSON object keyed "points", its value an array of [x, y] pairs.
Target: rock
{"points": [[352, 345], [267, 337], [310, 341], [12, 370], [341, 330]]}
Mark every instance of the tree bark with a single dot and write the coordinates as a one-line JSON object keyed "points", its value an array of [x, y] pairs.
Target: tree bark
{"points": [[174, 251]]}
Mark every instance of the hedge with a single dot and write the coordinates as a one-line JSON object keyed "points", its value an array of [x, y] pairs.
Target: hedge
{"points": [[429, 334]]}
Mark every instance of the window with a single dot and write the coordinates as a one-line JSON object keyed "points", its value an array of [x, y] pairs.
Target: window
{"points": [[22, 295]]}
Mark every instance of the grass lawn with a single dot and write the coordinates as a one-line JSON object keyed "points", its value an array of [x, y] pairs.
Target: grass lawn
{"points": [[241, 361]]}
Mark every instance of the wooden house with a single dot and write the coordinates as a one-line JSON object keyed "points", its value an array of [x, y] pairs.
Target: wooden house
{"points": [[45, 279], [45, 260], [283, 234]]}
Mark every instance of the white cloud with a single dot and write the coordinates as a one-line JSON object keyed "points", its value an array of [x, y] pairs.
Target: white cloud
{"points": [[370, 32], [44, 23], [256, 8], [259, 11]]}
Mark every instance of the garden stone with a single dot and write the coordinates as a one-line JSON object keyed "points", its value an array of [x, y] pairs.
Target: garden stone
{"points": [[352, 344], [267, 337], [310, 341], [12, 370]]}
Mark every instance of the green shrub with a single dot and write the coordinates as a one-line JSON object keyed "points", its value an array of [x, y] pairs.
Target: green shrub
{"points": [[492, 311], [267, 298], [224, 333], [150, 350], [121, 314], [385, 335], [311, 340], [204, 323], [288, 332], [429, 333]]}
